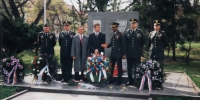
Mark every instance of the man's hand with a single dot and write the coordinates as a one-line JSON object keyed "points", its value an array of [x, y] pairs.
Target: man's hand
{"points": [[104, 45], [124, 56], [96, 51], [74, 57]]}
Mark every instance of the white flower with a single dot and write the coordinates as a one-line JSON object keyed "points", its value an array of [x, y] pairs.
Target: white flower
{"points": [[38, 71], [38, 62], [33, 69], [31, 61], [40, 58]]}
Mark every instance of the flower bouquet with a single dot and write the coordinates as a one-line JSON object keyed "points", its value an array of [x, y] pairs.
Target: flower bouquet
{"points": [[150, 70], [44, 68], [13, 70], [97, 68]]}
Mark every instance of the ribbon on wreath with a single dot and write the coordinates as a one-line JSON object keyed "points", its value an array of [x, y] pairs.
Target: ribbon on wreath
{"points": [[101, 71], [11, 72], [148, 75], [41, 72]]}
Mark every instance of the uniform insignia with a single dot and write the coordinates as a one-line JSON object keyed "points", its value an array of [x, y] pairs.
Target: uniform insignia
{"points": [[117, 36], [41, 37], [51, 37], [160, 35], [138, 35]]}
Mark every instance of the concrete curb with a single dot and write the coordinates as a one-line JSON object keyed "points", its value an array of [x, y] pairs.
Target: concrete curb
{"points": [[15, 95], [196, 88]]}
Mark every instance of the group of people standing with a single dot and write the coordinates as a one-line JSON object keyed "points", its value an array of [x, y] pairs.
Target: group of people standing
{"points": [[128, 45]]}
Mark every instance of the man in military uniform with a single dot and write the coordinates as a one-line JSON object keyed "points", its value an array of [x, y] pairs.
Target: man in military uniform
{"points": [[118, 51], [157, 42], [135, 41], [46, 41], [65, 42]]}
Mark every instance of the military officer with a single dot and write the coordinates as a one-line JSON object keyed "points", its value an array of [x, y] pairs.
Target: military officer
{"points": [[65, 42], [118, 51], [135, 41], [46, 41], [157, 42]]}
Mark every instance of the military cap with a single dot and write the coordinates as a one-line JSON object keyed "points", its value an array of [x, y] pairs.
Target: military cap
{"points": [[114, 24], [67, 23], [133, 20], [156, 22], [46, 25]]}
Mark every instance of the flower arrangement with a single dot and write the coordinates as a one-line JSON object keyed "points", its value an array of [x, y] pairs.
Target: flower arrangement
{"points": [[97, 68], [44, 67], [13, 70], [151, 70]]}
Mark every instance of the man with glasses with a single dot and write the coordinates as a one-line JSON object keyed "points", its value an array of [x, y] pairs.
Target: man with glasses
{"points": [[135, 41], [118, 51]]}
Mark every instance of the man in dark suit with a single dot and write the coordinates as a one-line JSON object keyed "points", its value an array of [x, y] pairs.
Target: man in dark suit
{"points": [[65, 42], [118, 51], [96, 39], [46, 41], [135, 41]]}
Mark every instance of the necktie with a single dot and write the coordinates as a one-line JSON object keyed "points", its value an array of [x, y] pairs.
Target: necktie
{"points": [[96, 34], [81, 38]]}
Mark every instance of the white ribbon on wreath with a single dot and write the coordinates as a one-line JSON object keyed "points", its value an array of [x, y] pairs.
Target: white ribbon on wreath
{"points": [[41, 72]]}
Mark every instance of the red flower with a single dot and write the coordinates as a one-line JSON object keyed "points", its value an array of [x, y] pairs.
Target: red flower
{"points": [[29, 66], [35, 57], [37, 67], [95, 66], [34, 63]]}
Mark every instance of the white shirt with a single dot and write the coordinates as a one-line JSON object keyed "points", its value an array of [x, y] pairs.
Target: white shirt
{"points": [[81, 36], [96, 33]]}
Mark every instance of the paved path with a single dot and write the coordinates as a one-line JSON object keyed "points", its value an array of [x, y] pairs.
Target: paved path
{"points": [[183, 88], [56, 96]]}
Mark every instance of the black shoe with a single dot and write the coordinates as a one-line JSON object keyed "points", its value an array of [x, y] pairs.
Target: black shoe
{"points": [[129, 83], [117, 83], [109, 82], [63, 80]]}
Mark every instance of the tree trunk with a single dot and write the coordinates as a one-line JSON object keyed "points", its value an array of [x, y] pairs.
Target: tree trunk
{"points": [[14, 8]]}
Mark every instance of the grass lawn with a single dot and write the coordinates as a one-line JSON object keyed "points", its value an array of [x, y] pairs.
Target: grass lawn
{"points": [[7, 91], [193, 69]]}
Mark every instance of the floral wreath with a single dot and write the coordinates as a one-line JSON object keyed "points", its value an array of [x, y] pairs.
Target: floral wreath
{"points": [[44, 68], [97, 68], [151, 70], [12, 70]]}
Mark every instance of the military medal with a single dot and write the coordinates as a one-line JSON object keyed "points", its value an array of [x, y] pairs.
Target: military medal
{"points": [[41, 37], [50, 36], [138, 35]]}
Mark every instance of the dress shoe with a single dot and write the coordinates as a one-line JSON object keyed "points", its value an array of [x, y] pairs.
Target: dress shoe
{"points": [[117, 83], [129, 83], [109, 82], [63, 80]]}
